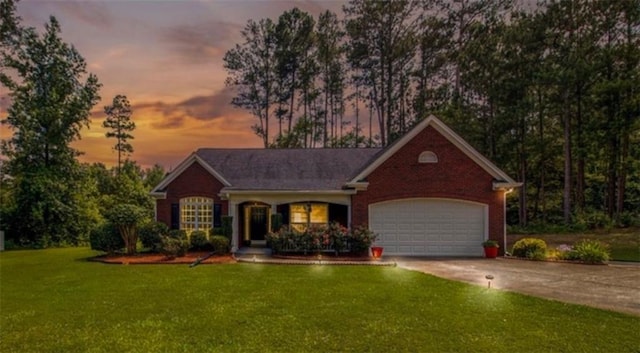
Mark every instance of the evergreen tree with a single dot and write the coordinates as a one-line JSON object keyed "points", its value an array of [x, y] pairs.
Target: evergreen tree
{"points": [[119, 122]]}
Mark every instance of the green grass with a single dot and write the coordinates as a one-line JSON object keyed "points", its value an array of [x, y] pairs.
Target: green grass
{"points": [[55, 301], [624, 243]]}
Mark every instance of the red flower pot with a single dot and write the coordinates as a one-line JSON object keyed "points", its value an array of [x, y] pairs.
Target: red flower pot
{"points": [[490, 252], [376, 251]]}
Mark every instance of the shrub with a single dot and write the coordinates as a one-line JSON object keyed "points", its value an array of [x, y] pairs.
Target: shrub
{"points": [[629, 219], [151, 233], [198, 240], [174, 246], [178, 234], [339, 236], [220, 244], [106, 238], [321, 238], [215, 231], [126, 218], [590, 251], [361, 239], [227, 226], [276, 222], [530, 248]]}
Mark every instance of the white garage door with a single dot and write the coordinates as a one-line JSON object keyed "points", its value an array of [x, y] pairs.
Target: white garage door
{"points": [[429, 227]]}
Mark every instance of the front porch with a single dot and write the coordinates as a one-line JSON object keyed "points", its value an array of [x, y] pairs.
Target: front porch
{"points": [[254, 214]]}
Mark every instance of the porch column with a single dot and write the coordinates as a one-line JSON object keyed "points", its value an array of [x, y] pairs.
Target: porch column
{"points": [[233, 207], [349, 215]]}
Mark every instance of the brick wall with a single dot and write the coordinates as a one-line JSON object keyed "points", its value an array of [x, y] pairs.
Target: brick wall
{"points": [[455, 176], [194, 181]]}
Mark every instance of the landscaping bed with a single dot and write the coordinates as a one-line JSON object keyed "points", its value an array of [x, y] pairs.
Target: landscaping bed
{"points": [[325, 256], [154, 258]]}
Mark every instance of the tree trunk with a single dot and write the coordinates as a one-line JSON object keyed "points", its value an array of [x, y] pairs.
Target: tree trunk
{"points": [[622, 174], [566, 196], [580, 182]]}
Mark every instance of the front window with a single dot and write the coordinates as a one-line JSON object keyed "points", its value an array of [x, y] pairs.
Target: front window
{"points": [[196, 213], [303, 215]]}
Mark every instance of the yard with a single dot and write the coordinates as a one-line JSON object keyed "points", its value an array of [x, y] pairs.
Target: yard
{"points": [[624, 243], [56, 301]]}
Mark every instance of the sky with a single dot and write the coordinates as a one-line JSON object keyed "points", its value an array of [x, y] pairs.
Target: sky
{"points": [[167, 58]]}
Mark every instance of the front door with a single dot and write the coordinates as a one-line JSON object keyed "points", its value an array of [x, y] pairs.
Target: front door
{"points": [[258, 222]]}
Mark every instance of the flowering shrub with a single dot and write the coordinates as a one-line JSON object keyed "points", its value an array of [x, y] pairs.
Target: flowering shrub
{"points": [[317, 238], [361, 239]]}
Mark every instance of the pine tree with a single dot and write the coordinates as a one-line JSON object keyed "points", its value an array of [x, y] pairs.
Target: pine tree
{"points": [[119, 122]]}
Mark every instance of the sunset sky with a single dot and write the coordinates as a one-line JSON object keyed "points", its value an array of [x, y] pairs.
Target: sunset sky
{"points": [[166, 57]]}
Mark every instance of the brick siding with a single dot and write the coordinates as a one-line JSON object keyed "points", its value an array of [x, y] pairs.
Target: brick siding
{"points": [[454, 176]]}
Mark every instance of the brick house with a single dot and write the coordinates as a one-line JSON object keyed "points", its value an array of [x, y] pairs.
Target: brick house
{"points": [[428, 194]]}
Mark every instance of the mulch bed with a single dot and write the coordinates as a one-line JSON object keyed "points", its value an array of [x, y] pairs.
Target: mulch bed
{"points": [[324, 257], [139, 259]]}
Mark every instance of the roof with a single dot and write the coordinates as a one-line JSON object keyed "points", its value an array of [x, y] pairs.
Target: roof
{"points": [[318, 169], [315, 169]]}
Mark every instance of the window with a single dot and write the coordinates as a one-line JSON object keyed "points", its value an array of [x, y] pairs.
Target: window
{"points": [[428, 157], [304, 214], [196, 213]]}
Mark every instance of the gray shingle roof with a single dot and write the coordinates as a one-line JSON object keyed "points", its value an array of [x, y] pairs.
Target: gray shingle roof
{"points": [[288, 169]]}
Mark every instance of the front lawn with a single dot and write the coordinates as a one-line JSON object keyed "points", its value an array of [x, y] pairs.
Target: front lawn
{"points": [[55, 301]]}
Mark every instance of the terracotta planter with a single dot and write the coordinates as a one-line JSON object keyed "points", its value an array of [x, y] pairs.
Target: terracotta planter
{"points": [[490, 252], [376, 251]]}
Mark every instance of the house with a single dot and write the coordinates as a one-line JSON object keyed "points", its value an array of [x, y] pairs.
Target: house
{"points": [[428, 194]]}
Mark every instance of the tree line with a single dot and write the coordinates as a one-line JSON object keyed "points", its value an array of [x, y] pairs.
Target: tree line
{"points": [[47, 197], [549, 92]]}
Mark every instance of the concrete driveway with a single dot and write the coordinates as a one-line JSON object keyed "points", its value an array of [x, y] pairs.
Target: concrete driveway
{"points": [[612, 287]]}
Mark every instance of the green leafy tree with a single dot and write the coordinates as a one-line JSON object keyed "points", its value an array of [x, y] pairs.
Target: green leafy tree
{"points": [[126, 217], [119, 122], [153, 176], [52, 96]]}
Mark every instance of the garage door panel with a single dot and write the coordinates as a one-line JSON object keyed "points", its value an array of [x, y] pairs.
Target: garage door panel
{"points": [[429, 227]]}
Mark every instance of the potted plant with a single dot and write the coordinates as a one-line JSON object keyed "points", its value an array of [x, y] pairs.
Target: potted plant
{"points": [[376, 251], [490, 248]]}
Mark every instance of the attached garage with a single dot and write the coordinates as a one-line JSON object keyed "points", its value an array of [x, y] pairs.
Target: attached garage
{"points": [[429, 227]]}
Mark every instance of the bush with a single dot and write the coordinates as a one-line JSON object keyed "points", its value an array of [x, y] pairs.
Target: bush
{"points": [[126, 218], [590, 251], [361, 239], [276, 222], [227, 226], [594, 220], [530, 248], [174, 247], [629, 219], [151, 233], [215, 231], [198, 240], [220, 244], [178, 234], [106, 238], [333, 237]]}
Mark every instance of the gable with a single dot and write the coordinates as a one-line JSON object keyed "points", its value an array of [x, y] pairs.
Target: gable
{"points": [[501, 179], [193, 159]]}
